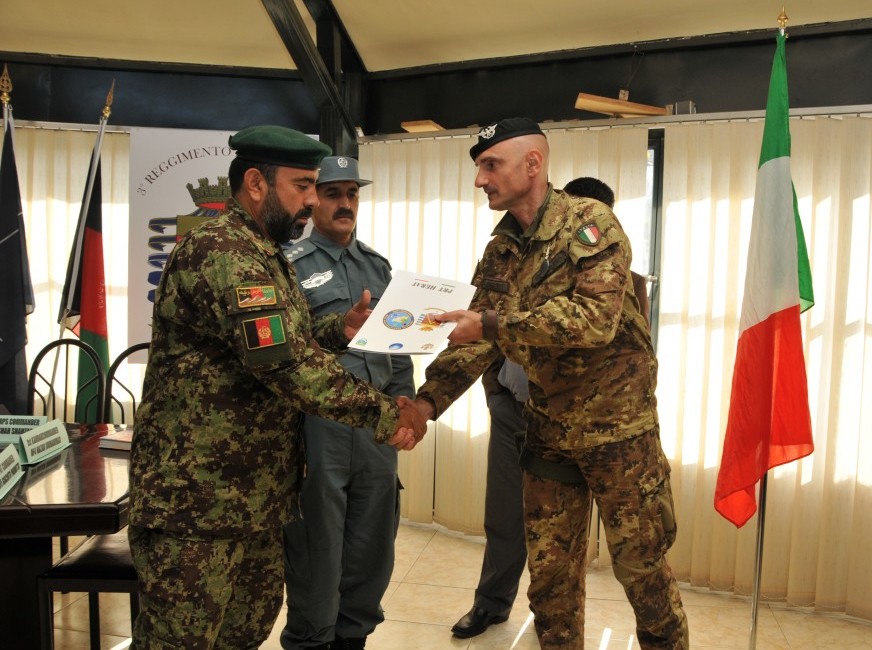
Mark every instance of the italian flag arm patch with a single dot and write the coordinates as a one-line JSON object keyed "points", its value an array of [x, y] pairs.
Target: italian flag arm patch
{"points": [[588, 234], [263, 332]]}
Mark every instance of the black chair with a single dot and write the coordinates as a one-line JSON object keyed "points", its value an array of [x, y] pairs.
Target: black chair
{"points": [[112, 382], [46, 386], [102, 563]]}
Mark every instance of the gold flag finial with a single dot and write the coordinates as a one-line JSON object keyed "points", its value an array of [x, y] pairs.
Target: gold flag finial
{"points": [[782, 19], [107, 108], [5, 86]]}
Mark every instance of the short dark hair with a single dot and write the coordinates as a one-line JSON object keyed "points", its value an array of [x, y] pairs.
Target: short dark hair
{"points": [[590, 187], [238, 167]]}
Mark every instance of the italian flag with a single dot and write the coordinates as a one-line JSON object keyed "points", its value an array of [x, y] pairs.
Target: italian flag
{"points": [[769, 423]]}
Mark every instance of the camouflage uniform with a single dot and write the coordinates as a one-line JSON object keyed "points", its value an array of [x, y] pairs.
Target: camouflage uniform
{"points": [[339, 555], [567, 314], [213, 472]]}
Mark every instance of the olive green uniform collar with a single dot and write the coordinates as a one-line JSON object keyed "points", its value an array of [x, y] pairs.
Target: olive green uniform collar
{"points": [[509, 227]]}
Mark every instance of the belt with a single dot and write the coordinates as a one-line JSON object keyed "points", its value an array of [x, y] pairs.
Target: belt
{"points": [[542, 468]]}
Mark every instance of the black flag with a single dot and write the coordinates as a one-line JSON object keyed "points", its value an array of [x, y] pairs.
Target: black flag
{"points": [[16, 290]]}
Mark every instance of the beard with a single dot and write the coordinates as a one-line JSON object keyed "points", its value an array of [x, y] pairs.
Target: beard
{"points": [[278, 222]]}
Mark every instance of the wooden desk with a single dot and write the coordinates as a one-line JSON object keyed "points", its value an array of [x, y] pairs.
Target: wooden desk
{"points": [[81, 491]]}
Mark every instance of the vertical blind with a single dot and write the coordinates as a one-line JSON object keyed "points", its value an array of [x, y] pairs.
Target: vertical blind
{"points": [[424, 213], [819, 509]]}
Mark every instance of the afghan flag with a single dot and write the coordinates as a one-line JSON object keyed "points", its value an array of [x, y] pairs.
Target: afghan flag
{"points": [[16, 290], [83, 302], [769, 422]]}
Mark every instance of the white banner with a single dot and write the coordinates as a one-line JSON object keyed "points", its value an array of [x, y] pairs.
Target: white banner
{"points": [[177, 178]]}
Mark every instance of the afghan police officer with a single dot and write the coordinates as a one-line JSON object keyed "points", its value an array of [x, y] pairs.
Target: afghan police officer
{"points": [[233, 363], [339, 555], [555, 296]]}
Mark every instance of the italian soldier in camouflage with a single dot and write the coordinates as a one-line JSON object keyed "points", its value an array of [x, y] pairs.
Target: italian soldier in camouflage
{"points": [[233, 363], [555, 296]]}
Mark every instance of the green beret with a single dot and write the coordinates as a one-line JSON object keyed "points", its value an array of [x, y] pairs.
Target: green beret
{"points": [[278, 145], [511, 127]]}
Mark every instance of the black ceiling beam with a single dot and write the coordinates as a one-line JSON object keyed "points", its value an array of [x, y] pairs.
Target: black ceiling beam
{"points": [[326, 17], [292, 30]]}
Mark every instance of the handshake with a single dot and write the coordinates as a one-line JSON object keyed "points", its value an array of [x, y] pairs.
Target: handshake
{"points": [[412, 424]]}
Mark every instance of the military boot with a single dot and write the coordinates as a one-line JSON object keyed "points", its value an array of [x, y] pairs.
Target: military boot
{"points": [[340, 643]]}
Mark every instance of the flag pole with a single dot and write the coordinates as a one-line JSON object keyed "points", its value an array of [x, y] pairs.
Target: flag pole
{"points": [[5, 89], [761, 512], [86, 201], [758, 562]]}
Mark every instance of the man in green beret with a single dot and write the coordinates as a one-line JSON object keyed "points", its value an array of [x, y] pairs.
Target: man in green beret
{"points": [[235, 359]]}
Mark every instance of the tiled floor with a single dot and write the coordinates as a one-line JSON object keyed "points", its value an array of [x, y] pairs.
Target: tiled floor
{"points": [[434, 578]]}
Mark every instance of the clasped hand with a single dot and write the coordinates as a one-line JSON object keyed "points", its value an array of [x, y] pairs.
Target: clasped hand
{"points": [[411, 426]]}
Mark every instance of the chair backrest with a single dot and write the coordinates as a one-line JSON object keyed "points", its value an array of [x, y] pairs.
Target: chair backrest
{"points": [[113, 384], [46, 387]]}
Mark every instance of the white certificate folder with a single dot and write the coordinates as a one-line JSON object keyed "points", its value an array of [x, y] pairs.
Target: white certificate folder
{"points": [[403, 320]]}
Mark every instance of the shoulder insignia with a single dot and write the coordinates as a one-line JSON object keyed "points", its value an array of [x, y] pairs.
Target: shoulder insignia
{"points": [[258, 296], [316, 280], [589, 234], [263, 332], [300, 249]]}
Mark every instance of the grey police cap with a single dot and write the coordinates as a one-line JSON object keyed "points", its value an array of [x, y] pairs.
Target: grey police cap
{"points": [[340, 168]]}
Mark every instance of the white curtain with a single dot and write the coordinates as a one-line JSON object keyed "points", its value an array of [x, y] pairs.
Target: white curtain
{"points": [[52, 170], [424, 212], [819, 509]]}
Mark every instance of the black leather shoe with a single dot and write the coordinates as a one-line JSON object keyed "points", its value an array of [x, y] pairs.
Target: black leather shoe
{"points": [[351, 643], [476, 621]]}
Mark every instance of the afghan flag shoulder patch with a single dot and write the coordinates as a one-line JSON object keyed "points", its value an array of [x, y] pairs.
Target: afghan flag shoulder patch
{"points": [[263, 332], [589, 234], [258, 296]]}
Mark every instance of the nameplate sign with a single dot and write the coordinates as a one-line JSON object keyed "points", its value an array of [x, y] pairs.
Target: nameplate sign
{"points": [[20, 423], [10, 469], [39, 443], [34, 474]]}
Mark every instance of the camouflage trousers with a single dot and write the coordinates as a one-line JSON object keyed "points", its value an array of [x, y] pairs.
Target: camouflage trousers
{"points": [[203, 593], [630, 482]]}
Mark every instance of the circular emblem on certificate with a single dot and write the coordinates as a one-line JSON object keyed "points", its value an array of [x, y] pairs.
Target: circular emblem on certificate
{"points": [[398, 319]]}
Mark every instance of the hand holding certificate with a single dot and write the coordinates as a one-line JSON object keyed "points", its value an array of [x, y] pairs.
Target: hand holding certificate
{"points": [[404, 320]]}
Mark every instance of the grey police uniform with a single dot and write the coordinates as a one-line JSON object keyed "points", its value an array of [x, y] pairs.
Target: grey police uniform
{"points": [[505, 551], [339, 556]]}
